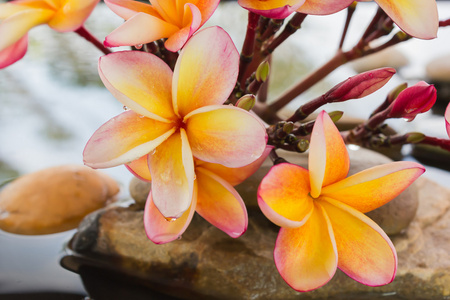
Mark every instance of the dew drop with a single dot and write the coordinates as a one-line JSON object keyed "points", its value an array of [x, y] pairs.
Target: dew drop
{"points": [[165, 176], [169, 219], [125, 107], [139, 46], [179, 237], [353, 147], [141, 116]]}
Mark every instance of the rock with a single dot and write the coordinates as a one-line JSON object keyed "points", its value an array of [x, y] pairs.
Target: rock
{"points": [[389, 57], [439, 69], [393, 217], [438, 74], [139, 190], [54, 199], [207, 264]]}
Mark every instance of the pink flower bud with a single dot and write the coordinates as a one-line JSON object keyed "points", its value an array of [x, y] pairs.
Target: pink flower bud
{"points": [[414, 100], [360, 85], [447, 119]]}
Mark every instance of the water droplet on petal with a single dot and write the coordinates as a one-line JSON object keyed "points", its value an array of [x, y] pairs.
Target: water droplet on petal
{"points": [[353, 147], [141, 116], [165, 176], [139, 46], [125, 107], [179, 237], [169, 219]]}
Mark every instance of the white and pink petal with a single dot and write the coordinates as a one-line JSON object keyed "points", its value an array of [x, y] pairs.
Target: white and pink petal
{"points": [[125, 74], [283, 195], [366, 253], [306, 257], [225, 135], [374, 187], [13, 53], [328, 160], [205, 72], [172, 172], [123, 139], [161, 230], [220, 204], [140, 29]]}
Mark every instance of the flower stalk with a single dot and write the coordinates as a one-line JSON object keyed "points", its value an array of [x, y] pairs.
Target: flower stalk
{"points": [[83, 32]]}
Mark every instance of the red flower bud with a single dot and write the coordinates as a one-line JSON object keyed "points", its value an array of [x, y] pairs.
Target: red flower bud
{"points": [[414, 100], [360, 85]]}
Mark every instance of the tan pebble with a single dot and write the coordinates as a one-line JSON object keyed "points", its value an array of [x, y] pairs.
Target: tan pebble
{"points": [[439, 69], [390, 57], [54, 199]]}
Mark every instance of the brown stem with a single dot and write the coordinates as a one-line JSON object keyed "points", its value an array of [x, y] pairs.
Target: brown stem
{"points": [[292, 26], [350, 10], [305, 110], [444, 23], [82, 31], [249, 44], [442, 143], [336, 61]]}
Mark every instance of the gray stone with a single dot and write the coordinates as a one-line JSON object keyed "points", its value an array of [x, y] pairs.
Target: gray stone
{"points": [[54, 199], [207, 264], [139, 190], [389, 57], [439, 69]]}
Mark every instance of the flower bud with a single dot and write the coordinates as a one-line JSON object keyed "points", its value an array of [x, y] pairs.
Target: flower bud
{"points": [[302, 145], [336, 115], [395, 92], [262, 72], [246, 102], [288, 127], [412, 101], [415, 137], [360, 85]]}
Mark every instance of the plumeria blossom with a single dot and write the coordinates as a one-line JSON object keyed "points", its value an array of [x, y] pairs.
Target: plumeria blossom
{"points": [[172, 19], [18, 17], [418, 18], [321, 213], [276, 9], [175, 116], [447, 119], [214, 198]]}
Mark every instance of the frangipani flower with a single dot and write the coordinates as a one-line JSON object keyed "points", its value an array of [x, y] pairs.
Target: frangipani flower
{"points": [[447, 119], [321, 213], [18, 17], [176, 115], [276, 9], [173, 19], [214, 198], [418, 18]]}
